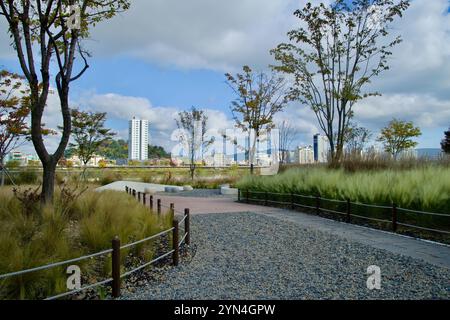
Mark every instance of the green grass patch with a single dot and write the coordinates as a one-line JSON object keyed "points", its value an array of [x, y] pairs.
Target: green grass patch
{"points": [[424, 189]]}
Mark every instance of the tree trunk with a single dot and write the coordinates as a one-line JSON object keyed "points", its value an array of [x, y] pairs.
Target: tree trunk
{"points": [[332, 154], [338, 154], [2, 168], [252, 150], [49, 161], [48, 182], [83, 173], [192, 171]]}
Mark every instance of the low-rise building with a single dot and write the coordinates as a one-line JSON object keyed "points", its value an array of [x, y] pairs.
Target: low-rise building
{"points": [[93, 162], [304, 155]]}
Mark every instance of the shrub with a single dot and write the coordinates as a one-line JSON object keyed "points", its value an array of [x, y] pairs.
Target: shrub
{"points": [[74, 226], [27, 177], [110, 177], [12, 164]]}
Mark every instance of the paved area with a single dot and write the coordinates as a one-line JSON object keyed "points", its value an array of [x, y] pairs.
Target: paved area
{"points": [[210, 204], [430, 252]]}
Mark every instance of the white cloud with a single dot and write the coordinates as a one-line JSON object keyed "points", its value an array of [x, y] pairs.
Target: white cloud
{"points": [[425, 111], [162, 119], [421, 63], [208, 34]]}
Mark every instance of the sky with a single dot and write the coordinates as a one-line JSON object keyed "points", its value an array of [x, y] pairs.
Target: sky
{"points": [[164, 56]]}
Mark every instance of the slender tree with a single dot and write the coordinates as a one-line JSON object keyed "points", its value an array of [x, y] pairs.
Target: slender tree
{"points": [[14, 112], [259, 97], [356, 138], [192, 126], [89, 134], [44, 33], [287, 134], [398, 136], [334, 54], [445, 143]]}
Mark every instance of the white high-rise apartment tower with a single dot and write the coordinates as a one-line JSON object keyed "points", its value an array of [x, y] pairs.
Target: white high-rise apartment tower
{"points": [[138, 139]]}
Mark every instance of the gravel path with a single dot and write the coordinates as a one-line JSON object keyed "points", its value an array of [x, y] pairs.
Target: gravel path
{"points": [[255, 256]]}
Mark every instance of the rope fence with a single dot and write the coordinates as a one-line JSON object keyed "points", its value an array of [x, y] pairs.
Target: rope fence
{"points": [[116, 247], [345, 208]]}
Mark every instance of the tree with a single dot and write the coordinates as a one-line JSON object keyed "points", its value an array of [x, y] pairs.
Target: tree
{"points": [[14, 111], [356, 138], [192, 135], [445, 143], [114, 149], [397, 136], [89, 134], [334, 55], [259, 97], [287, 134], [45, 33], [157, 152]]}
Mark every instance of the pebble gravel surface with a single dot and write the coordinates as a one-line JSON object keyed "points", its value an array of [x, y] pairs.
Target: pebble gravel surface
{"points": [[252, 256]]}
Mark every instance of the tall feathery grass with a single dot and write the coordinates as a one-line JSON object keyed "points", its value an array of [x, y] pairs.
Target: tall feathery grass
{"points": [[32, 236], [426, 189]]}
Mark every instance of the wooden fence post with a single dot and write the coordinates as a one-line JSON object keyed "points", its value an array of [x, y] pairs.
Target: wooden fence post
{"points": [[158, 206], [172, 210], [134, 193], [175, 244], [349, 210], [187, 227], [144, 196], [116, 267], [151, 202], [292, 201], [394, 217], [139, 196], [318, 204], [126, 189]]}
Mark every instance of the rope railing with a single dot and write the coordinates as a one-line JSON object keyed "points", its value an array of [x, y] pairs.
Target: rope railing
{"points": [[56, 264], [182, 239], [125, 274], [302, 196], [68, 293], [332, 211], [182, 220], [333, 200], [304, 206], [132, 244], [116, 248], [245, 195], [370, 205], [423, 212]]}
